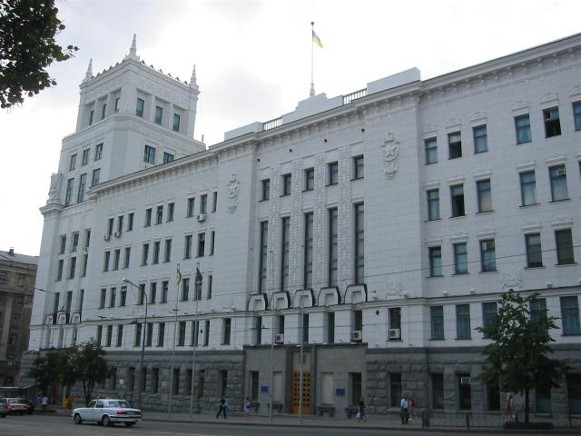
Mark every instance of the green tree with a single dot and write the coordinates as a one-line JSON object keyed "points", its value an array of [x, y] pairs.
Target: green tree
{"points": [[90, 367], [518, 358], [27, 47], [45, 369]]}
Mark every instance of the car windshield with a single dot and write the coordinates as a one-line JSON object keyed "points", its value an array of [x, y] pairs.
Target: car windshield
{"points": [[118, 403]]}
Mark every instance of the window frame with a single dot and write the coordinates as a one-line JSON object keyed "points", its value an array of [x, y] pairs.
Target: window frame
{"points": [[522, 124], [431, 150], [480, 138], [454, 145]]}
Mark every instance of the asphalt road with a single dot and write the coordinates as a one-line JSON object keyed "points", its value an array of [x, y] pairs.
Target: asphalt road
{"points": [[43, 425]]}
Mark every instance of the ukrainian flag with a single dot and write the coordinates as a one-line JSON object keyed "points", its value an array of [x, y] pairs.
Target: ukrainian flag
{"points": [[317, 40]]}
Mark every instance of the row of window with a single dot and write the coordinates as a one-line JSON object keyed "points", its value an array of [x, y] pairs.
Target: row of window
{"points": [[480, 135], [75, 241], [534, 253], [86, 156], [150, 153], [159, 116], [332, 178]]}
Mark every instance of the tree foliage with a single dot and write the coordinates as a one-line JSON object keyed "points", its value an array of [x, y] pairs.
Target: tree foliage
{"points": [[91, 367], [519, 354], [27, 47]]}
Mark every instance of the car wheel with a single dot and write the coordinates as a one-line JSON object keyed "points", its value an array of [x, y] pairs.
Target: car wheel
{"points": [[129, 424], [106, 421], [78, 419]]}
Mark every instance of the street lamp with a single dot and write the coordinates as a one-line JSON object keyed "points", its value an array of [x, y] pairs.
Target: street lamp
{"points": [[141, 365], [195, 333]]}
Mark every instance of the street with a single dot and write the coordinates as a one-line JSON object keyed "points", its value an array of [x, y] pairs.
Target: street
{"points": [[40, 425]]}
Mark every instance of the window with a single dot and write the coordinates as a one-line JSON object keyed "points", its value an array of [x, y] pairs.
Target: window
{"points": [[127, 257], [214, 201], [63, 244], [91, 117], [460, 258], [528, 188], [206, 333], [577, 115], [130, 221], [103, 298], [104, 111], [395, 388], [168, 157], [570, 315], [170, 212], [106, 261], [574, 393], [145, 254], [333, 173], [159, 215], [156, 249], [85, 158], [158, 115], [82, 186], [263, 256], [160, 334], [358, 168], [330, 327], [177, 119], [75, 242], [534, 252], [73, 162], [117, 101], [181, 334], [359, 256], [435, 254], [96, 177], [195, 339], [188, 247], [226, 330], [201, 244], [164, 291], [489, 312], [487, 255], [480, 139], [454, 145], [484, 194], [286, 184], [119, 336], [433, 197], [72, 267], [333, 229], [112, 297], [116, 259], [204, 203], [308, 251], [284, 253], [431, 147], [437, 322], [98, 151], [148, 213], [210, 284], [139, 107], [185, 289], [167, 251], [437, 382], [394, 321], [537, 308], [149, 154], [564, 246], [523, 129], [212, 242], [69, 194], [190, 207], [265, 183], [552, 123], [457, 193], [463, 321], [558, 176], [464, 392], [305, 328], [309, 179]]}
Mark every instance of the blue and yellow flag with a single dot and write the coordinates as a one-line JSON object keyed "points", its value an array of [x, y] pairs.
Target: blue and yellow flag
{"points": [[178, 275], [317, 40]]}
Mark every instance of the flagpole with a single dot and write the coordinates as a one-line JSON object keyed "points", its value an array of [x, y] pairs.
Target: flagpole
{"points": [[312, 93]]}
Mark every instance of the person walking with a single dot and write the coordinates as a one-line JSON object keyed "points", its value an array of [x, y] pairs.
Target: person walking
{"points": [[247, 405], [404, 410], [222, 408], [509, 407], [361, 410]]}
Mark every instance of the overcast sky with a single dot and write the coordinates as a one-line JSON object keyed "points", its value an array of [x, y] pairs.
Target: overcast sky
{"points": [[253, 63]]}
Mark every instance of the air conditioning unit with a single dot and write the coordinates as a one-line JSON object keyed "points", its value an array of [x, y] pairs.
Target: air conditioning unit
{"points": [[201, 217], [279, 338], [49, 319], [107, 237], [76, 318], [117, 234], [356, 336], [394, 334], [62, 318], [561, 172], [464, 380]]}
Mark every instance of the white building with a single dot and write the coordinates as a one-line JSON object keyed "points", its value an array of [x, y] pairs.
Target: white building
{"points": [[369, 233]]}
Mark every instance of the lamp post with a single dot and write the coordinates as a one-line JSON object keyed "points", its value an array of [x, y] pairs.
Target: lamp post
{"points": [[141, 365], [195, 333]]}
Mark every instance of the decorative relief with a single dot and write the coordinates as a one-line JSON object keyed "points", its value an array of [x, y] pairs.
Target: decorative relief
{"points": [[55, 184], [393, 288], [512, 279], [390, 156], [233, 193]]}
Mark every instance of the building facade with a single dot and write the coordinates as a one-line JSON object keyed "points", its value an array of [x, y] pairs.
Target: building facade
{"points": [[348, 248], [17, 277]]}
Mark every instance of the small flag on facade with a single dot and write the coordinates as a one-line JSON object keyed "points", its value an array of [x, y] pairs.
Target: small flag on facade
{"points": [[317, 40], [178, 275], [198, 276]]}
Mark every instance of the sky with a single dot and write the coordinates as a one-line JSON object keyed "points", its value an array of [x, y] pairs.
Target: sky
{"points": [[253, 63]]}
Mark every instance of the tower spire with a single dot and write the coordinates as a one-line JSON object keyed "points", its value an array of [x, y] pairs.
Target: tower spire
{"points": [[89, 73], [193, 78], [133, 50]]}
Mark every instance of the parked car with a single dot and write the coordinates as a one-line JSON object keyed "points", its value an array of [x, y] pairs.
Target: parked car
{"points": [[107, 412], [4, 407], [19, 406]]}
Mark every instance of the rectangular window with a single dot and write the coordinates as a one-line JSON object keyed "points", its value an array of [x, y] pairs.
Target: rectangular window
{"points": [[457, 194], [463, 330], [210, 284], [103, 111], [130, 221], [214, 201], [309, 174], [168, 157], [263, 256], [330, 327], [359, 255], [63, 244], [454, 145], [145, 254], [167, 251], [188, 247], [437, 383], [528, 188], [70, 190], [431, 148], [333, 230], [484, 193], [435, 254], [170, 212], [149, 336], [201, 244], [96, 177], [564, 246], [534, 252], [265, 185], [177, 120], [227, 330], [204, 203], [437, 322], [116, 259], [286, 184], [159, 215], [103, 298], [460, 258], [82, 186], [160, 334], [190, 207], [358, 167], [112, 297], [305, 328], [212, 242], [148, 215], [574, 393], [149, 154], [181, 334], [464, 392], [332, 173], [206, 333], [117, 102], [433, 197], [139, 107], [164, 291], [523, 129], [487, 255], [91, 117], [98, 151], [123, 296], [538, 308], [558, 176], [85, 158], [119, 336], [156, 250], [577, 114], [284, 253], [552, 123], [308, 253], [185, 289], [106, 261], [138, 334], [480, 136], [73, 162], [158, 115], [72, 267], [489, 313], [195, 338], [395, 389], [570, 315]]}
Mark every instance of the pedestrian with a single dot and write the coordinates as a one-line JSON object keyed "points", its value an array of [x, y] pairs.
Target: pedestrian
{"points": [[412, 409], [404, 410], [44, 401], [247, 406], [509, 407], [68, 403], [222, 408], [361, 410]]}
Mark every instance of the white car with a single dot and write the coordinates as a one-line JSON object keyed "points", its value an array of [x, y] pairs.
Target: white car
{"points": [[107, 412]]}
